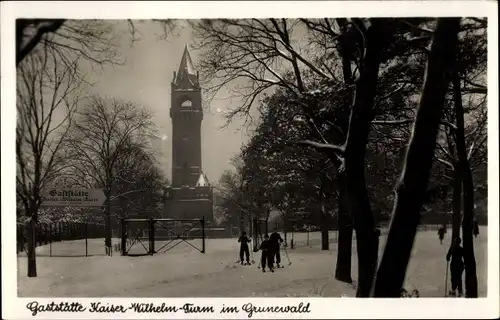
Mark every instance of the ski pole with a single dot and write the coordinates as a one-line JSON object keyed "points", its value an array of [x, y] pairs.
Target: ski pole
{"points": [[289, 261]]}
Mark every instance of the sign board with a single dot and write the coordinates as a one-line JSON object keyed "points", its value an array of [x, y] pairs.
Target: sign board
{"points": [[73, 198]]}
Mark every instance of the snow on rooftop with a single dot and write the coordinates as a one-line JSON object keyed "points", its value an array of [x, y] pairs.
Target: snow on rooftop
{"points": [[202, 181]]}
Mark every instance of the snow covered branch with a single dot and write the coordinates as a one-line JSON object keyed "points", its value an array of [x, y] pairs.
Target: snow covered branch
{"points": [[323, 146], [408, 121]]}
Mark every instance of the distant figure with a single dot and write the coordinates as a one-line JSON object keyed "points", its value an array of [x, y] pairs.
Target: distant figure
{"points": [[244, 240], [476, 229], [275, 240], [266, 256], [441, 232], [456, 253]]}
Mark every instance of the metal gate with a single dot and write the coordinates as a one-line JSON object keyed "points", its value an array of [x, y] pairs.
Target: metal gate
{"points": [[140, 236], [175, 232], [137, 237]]}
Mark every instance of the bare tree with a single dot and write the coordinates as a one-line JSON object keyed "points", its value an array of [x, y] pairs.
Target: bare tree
{"points": [[29, 33], [47, 96], [94, 40], [104, 132], [470, 69], [233, 203], [465, 173], [475, 136], [264, 53], [354, 149], [418, 162], [139, 187], [368, 54], [463, 148], [261, 54]]}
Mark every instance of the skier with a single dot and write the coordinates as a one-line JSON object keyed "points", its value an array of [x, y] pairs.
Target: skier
{"points": [[441, 233], [244, 240], [275, 240], [266, 256], [456, 253], [476, 229]]}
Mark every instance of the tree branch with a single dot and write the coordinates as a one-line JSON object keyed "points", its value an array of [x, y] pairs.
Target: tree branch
{"points": [[323, 146], [43, 27]]}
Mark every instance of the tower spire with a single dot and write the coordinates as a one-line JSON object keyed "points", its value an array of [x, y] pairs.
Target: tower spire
{"points": [[186, 71]]}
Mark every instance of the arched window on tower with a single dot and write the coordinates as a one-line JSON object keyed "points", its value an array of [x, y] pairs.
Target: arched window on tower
{"points": [[187, 103]]}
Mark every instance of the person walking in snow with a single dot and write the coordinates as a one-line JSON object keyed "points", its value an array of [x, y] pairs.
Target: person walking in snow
{"points": [[244, 251], [476, 229], [275, 241], [266, 256], [456, 253], [441, 233]]}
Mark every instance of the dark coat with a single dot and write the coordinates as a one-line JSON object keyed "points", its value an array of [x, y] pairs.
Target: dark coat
{"points": [[275, 240], [456, 253], [244, 240], [265, 245]]}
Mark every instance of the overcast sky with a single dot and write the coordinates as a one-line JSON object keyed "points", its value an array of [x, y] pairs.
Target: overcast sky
{"points": [[145, 79]]}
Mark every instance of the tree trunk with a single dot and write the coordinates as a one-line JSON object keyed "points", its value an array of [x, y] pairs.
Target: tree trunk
{"points": [[418, 163], [471, 290], [325, 242], [344, 245], [354, 155], [242, 222], [32, 246], [344, 225], [107, 212], [471, 286], [456, 205], [22, 24]]}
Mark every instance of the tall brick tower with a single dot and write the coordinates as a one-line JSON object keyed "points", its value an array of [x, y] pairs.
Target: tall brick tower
{"points": [[190, 195]]}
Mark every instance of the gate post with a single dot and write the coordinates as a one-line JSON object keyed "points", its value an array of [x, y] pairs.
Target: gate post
{"points": [[45, 236], [50, 240], [151, 236], [308, 232], [203, 235], [86, 240], [124, 237]]}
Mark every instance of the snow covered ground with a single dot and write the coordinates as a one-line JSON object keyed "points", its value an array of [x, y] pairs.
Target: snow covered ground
{"points": [[184, 271]]}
